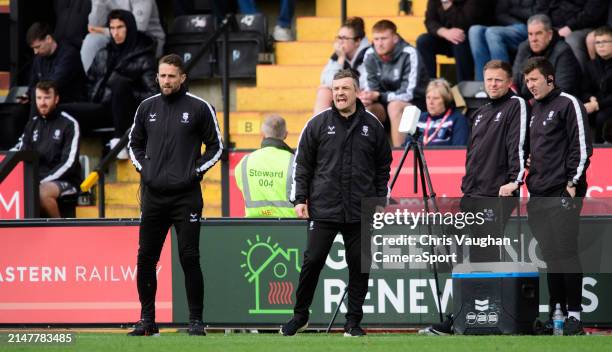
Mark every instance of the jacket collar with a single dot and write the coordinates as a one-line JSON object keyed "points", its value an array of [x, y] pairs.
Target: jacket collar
{"points": [[552, 95], [276, 143], [51, 116], [176, 95], [360, 109], [502, 99]]}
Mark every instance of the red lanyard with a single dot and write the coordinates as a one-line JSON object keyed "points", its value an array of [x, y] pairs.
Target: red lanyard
{"points": [[426, 138]]}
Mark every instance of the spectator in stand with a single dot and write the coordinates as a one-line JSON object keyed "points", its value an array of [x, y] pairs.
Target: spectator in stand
{"points": [[282, 30], [53, 61], [447, 22], [590, 39], [597, 88], [147, 21], [396, 77], [573, 20], [121, 76], [500, 42], [544, 41], [442, 123], [54, 135], [349, 51]]}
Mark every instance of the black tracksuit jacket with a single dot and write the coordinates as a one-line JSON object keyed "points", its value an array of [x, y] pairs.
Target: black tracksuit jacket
{"points": [[560, 143], [56, 139], [496, 150], [338, 162], [166, 140]]}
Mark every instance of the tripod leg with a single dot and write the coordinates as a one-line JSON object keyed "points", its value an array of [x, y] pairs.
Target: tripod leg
{"points": [[337, 310], [399, 167]]}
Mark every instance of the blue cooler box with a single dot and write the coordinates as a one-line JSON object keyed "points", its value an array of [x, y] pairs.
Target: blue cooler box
{"points": [[495, 298]]}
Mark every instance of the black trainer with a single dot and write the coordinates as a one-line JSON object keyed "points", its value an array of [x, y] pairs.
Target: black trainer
{"points": [[144, 328], [543, 328], [196, 328], [355, 331], [572, 327], [292, 327], [440, 329]]}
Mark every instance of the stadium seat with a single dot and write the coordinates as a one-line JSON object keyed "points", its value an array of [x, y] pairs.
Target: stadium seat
{"points": [[185, 38]]}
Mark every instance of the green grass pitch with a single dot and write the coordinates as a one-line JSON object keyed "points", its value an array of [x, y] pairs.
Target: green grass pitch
{"points": [[320, 342]]}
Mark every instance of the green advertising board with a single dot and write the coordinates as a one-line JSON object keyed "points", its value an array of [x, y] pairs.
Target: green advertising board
{"points": [[251, 270]]}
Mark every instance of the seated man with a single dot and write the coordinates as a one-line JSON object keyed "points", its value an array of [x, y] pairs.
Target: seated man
{"points": [[55, 136], [499, 42], [122, 75], [396, 77], [543, 41], [573, 20], [264, 176], [147, 21], [447, 22], [597, 87]]}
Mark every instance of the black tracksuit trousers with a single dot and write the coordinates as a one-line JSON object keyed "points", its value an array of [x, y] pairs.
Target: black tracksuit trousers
{"points": [[554, 219], [182, 209], [320, 239]]}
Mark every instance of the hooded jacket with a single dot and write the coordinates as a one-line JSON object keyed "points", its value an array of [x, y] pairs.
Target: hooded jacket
{"points": [[576, 14], [567, 69], [508, 12], [403, 77], [166, 140], [339, 162], [134, 59], [462, 14]]}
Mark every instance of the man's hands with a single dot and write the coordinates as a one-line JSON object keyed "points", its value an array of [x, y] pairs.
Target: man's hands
{"points": [[507, 189], [369, 97], [302, 211], [571, 191], [453, 35], [565, 31], [592, 105]]}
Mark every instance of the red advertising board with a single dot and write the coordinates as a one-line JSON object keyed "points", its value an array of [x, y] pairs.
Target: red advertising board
{"points": [[447, 167], [12, 197], [76, 274]]}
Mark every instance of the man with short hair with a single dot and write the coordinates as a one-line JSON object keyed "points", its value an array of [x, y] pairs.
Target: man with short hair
{"points": [[165, 147], [560, 148], [263, 176], [53, 61], [544, 41], [396, 77], [343, 157], [494, 166], [54, 135]]}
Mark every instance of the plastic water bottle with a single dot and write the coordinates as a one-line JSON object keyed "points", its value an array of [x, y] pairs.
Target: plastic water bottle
{"points": [[558, 320]]}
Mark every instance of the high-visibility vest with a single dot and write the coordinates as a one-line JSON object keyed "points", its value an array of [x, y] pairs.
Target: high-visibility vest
{"points": [[264, 178]]}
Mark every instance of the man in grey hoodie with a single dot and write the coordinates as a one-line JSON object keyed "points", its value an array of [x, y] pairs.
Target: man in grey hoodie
{"points": [[147, 21], [396, 77]]}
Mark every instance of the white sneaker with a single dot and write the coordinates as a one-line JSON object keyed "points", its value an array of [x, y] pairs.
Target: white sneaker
{"points": [[281, 34]]}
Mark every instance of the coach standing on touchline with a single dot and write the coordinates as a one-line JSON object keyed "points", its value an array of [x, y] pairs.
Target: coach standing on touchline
{"points": [[560, 148], [343, 157], [165, 146]]}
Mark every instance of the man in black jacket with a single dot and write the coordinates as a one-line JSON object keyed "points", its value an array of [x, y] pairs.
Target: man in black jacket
{"points": [[544, 41], [54, 135], [560, 148], [121, 76], [343, 156], [494, 166], [573, 20], [165, 147]]}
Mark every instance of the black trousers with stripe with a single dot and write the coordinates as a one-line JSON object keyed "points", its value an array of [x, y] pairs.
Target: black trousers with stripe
{"points": [[182, 209]]}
